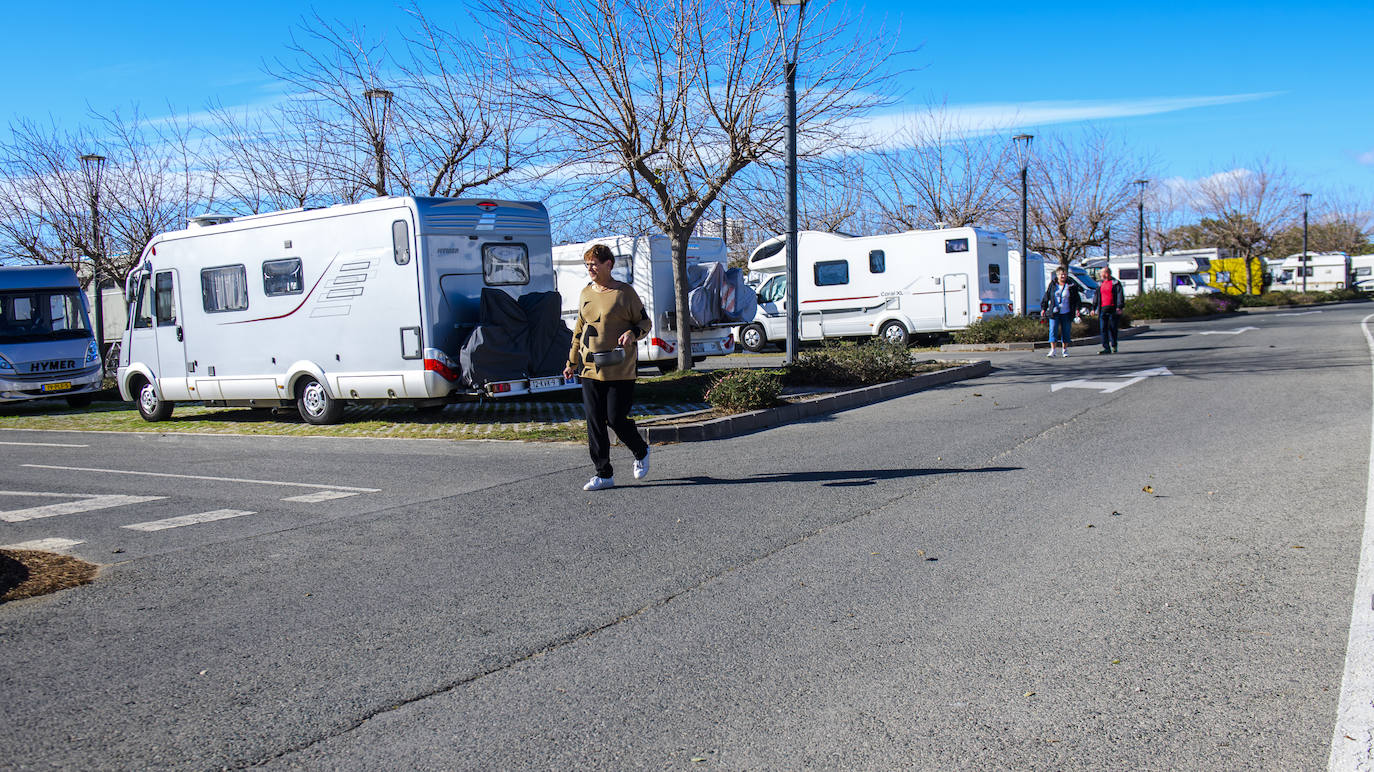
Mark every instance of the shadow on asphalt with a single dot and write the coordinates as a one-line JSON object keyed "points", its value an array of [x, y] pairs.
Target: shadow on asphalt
{"points": [[829, 479]]}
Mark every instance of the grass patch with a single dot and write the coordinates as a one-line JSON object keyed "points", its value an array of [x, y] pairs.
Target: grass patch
{"points": [[30, 573]]}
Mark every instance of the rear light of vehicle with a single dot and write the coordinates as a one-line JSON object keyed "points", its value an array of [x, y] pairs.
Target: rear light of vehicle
{"points": [[983, 308], [435, 365], [663, 344], [499, 388]]}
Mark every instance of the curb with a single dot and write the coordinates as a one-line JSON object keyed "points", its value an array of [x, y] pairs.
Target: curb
{"points": [[729, 426], [1129, 332], [1251, 310]]}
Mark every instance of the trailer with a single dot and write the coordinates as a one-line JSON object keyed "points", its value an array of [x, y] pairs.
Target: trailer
{"points": [[315, 308], [1325, 271], [47, 347], [646, 263], [1185, 272], [889, 286]]}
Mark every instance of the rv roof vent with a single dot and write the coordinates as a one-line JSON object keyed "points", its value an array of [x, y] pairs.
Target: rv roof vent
{"points": [[940, 225], [206, 220]]}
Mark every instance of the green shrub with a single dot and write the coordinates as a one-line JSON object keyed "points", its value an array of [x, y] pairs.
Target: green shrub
{"points": [[740, 390], [1160, 304], [846, 363], [1206, 305], [1002, 329]]}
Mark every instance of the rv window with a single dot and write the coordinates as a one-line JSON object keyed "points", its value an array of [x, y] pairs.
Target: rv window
{"points": [[143, 307], [1183, 280], [1363, 270], [224, 288], [877, 261], [773, 290], [768, 251], [624, 269], [1223, 277], [994, 273], [956, 245], [1128, 274], [1149, 271], [164, 303], [832, 272], [282, 277], [400, 241], [505, 264]]}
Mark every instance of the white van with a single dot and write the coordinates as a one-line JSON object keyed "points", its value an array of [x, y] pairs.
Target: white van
{"points": [[892, 285], [318, 307], [47, 348], [646, 263]]}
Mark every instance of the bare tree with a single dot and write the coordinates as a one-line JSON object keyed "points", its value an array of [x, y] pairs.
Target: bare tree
{"points": [[1244, 209], [269, 159], [1078, 185], [665, 103]]}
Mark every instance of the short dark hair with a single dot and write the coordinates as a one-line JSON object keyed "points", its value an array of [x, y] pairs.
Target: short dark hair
{"points": [[600, 253]]}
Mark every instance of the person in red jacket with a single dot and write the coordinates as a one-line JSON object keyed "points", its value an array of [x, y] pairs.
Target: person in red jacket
{"points": [[1110, 300]]}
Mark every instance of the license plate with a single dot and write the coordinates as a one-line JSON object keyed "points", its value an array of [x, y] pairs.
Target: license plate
{"points": [[63, 386], [698, 348], [546, 383]]}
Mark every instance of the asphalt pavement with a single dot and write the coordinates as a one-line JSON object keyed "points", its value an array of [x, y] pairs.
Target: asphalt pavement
{"points": [[1143, 560]]}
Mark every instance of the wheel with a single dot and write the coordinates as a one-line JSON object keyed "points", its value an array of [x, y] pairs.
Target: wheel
{"points": [[150, 405], [894, 332], [80, 400], [666, 366], [315, 404], [752, 338]]}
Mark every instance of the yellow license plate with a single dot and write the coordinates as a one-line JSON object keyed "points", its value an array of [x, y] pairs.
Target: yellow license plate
{"points": [[63, 386]]}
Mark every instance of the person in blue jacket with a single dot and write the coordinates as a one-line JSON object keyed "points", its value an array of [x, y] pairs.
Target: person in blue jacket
{"points": [[1060, 305]]}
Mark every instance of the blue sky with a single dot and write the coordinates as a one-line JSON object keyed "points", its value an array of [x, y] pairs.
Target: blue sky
{"points": [[1285, 81]]}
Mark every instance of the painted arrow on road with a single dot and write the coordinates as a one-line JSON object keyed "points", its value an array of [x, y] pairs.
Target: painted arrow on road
{"points": [[1107, 387], [1236, 331]]}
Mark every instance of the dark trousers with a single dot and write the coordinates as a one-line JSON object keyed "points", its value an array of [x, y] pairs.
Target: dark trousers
{"points": [[607, 403], [1107, 320]]}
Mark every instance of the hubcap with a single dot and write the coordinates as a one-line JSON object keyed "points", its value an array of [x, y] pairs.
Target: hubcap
{"points": [[751, 338], [314, 397], [895, 334], [147, 398]]}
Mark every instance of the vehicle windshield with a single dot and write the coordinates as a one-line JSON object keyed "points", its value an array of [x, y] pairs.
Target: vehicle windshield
{"points": [[28, 316], [1086, 280]]}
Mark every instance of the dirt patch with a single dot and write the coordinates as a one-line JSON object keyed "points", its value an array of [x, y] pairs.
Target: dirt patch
{"points": [[29, 573]]}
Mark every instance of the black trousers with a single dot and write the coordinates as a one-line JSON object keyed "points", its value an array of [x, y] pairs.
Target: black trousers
{"points": [[1107, 320], [607, 403]]}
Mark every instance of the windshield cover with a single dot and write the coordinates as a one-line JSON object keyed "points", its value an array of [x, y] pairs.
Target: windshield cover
{"points": [[29, 316]]}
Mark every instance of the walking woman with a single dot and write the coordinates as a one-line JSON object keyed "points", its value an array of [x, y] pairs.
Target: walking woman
{"points": [[610, 318], [1060, 303]]}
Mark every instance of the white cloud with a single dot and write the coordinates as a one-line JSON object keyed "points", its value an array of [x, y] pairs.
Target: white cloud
{"points": [[1366, 158]]}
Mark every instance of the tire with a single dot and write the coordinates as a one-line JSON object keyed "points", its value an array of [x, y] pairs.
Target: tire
{"points": [[151, 406], [666, 366], [752, 338], [79, 401], [894, 332], [315, 404]]}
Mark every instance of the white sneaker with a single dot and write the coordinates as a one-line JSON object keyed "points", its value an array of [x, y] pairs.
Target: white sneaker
{"points": [[1051, 353], [599, 484], [1065, 354], [642, 466]]}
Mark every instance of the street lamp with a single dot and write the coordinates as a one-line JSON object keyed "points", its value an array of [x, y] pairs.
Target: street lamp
{"points": [[92, 168], [1306, 197], [1023, 145], [790, 69], [378, 108], [1140, 245]]}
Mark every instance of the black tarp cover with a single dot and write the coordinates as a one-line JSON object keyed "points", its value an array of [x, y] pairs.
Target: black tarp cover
{"points": [[515, 338]]}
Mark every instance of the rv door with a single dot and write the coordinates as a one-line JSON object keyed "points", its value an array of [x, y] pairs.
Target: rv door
{"points": [[171, 345], [956, 300]]}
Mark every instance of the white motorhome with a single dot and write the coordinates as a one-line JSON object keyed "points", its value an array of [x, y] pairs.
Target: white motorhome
{"points": [[1184, 272], [646, 263], [318, 307], [1037, 274], [890, 285], [1362, 272], [47, 348], [1325, 271]]}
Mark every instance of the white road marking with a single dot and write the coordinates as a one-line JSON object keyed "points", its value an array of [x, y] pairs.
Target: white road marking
{"points": [[84, 504], [1107, 387], [315, 498], [1355, 712], [1297, 313], [1236, 331], [46, 545], [204, 477], [177, 522], [45, 444]]}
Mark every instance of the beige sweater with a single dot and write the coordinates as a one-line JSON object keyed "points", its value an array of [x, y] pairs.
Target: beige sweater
{"points": [[602, 317]]}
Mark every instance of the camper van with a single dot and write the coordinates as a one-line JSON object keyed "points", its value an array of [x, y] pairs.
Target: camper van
{"points": [[1362, 272], [892, 285], [1325, 271], [1080, 275], [646, 263], [47, 348], [1183, 272], [1037, 274], [374, 301]]}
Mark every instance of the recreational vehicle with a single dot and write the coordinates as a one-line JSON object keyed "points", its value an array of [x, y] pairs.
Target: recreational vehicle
{"points": [[1183, 272], [1037, 274], [379, 300], [890, 285], [1325, 271], [1080, 275], [646, 263], [1362, 272], [47, 348]]}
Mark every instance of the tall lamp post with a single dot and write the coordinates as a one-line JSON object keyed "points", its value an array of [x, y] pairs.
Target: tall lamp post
{"points": [[93, 167], [378, 108], [790, 69], [1023, 145], [1140, 233], [1306, 197]]}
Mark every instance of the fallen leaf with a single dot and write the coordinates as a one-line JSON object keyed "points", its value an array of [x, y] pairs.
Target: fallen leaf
{"points": [[871, 553], [203, 672], [1116, 662], [1149, 489], [698, 760], [1029, 694], [1090, 525], [1299, 547], [920, 553], [1115, 513], [976, 394]]}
